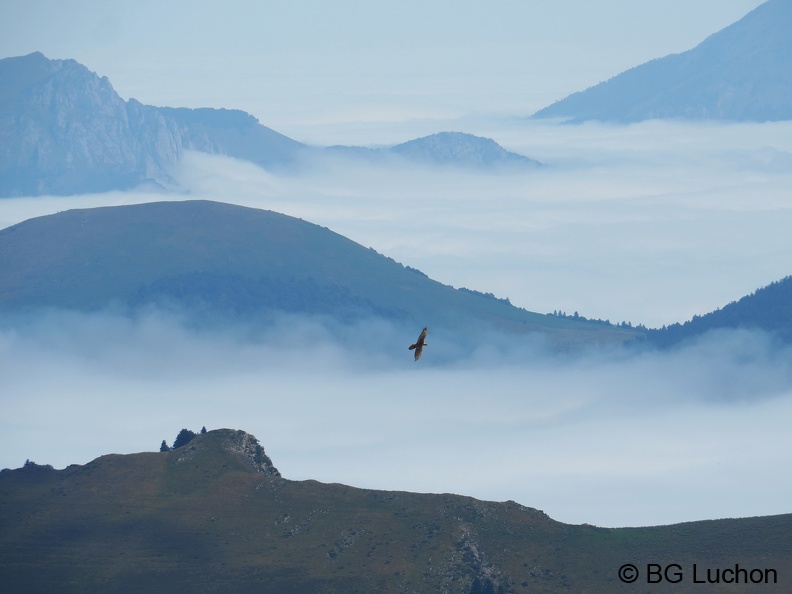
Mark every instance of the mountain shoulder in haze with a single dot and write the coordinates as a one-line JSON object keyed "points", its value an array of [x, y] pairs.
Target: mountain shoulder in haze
{"points": [[768, 309], [740, 73], [223, 261], [208, 513], [446, 149]]}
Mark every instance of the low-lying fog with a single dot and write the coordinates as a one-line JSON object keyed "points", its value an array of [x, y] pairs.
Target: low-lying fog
{"points": [[650, 223], [610, 438]]}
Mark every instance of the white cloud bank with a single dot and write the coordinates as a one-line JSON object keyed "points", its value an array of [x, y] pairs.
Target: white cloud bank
{"points": [[649, 223], [610, 438]]}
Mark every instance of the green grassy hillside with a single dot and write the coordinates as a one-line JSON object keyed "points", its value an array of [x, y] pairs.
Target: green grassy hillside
{"points": [[207, 517], [231, 260]]}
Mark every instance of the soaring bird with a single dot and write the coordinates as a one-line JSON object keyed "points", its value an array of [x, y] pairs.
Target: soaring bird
{"points": [[419, 344]]}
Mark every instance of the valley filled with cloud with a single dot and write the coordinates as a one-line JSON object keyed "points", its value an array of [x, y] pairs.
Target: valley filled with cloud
{"points": [[647, 224], [614, 437], [650, 223]]}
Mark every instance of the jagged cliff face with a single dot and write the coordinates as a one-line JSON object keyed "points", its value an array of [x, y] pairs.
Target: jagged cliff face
{"points": [[239, 444], [66, 130]]}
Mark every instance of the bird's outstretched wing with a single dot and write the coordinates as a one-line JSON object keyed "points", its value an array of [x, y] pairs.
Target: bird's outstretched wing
{"points": [[419, 344]]}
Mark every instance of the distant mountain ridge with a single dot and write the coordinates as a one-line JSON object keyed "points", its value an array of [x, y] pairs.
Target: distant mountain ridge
{"points": [[211, 514], [241, 263], [454, 149], [741, 73], [768, 309], [65, 130], [233, 133]]}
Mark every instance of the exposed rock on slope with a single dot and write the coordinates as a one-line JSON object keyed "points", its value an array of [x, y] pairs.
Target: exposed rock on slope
{"points": [[65, 131], [240, 445], [203, 514]]}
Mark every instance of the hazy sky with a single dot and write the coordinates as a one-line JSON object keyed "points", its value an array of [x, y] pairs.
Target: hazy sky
{"points": [[650, 223], [308, 62]]}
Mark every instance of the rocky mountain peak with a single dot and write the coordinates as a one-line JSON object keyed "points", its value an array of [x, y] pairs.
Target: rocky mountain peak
{"points": [[70, 131], [67, 131], [246, 446], [241, 445]]}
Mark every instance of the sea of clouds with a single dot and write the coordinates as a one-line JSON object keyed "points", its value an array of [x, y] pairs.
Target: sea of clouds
{"points": [[650, 223]]}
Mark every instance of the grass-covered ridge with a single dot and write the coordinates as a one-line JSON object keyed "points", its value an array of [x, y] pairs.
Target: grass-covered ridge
{"points": [[226, 260], [206, 514]]}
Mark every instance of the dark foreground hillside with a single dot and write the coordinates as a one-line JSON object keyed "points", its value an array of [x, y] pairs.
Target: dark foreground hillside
{"points": [[215, 516]]}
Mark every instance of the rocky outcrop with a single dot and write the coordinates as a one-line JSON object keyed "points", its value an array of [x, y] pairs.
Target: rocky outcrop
{"points": [[242, 446], [247, 447]]}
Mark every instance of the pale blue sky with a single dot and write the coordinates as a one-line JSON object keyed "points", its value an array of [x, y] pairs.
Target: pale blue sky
{"points": [[303, 62]]}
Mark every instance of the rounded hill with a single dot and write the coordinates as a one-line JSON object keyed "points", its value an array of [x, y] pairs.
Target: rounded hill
{"points": [[233, 260]]}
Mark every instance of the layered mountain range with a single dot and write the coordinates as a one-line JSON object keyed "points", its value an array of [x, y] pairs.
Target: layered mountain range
{"points": [[65, 130]]}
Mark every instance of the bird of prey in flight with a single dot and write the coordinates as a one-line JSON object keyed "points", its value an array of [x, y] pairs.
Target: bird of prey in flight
{"points": [[419, 344]]}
